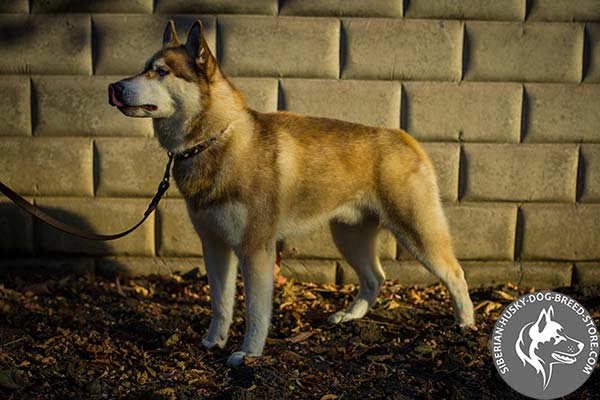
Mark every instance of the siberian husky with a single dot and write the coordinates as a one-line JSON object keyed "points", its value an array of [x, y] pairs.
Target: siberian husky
{"points": [[266, 176]]}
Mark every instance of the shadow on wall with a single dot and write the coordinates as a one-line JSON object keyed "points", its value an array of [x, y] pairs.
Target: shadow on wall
{"points": [[11, 31], [28, 246], [73, 6]]}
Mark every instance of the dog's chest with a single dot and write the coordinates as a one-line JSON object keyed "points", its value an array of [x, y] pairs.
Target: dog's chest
{"points": [[227, 220]]}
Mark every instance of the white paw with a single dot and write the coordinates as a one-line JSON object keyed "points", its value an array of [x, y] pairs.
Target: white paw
{"points": [[339, 317], [236, 359], [466, 322], [464, 318], [209, 343]]}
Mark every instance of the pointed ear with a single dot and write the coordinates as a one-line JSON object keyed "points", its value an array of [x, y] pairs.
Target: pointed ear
{"points": [[543, 319], [170, 38], [197, 46]]}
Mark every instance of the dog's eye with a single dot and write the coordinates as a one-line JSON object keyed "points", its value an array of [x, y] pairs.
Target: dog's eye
{"points": [[557, 339], [161, 72]]}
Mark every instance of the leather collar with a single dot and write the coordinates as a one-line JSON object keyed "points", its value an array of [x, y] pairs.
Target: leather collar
{"points": [[197, 149]]}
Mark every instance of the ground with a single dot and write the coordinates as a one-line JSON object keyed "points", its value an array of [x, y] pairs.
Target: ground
{"points": [[89, 337]]}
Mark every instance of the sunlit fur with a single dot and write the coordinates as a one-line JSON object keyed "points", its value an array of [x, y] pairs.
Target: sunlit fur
{"points": [[269, 176]]}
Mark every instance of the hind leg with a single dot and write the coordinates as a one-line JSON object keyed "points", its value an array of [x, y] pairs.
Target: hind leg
{"points": [[358, 245], [416, 217]]}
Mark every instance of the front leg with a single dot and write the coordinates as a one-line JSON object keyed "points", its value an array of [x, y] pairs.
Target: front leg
{"points": [[257, 270], [221, 268]]}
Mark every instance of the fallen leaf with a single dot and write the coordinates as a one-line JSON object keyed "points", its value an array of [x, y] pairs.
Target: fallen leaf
{"points": [[488, 306], [504, 295], [380, 357], [249, 360], [424, 349], [329, 397], [393, 304], [173, 340], [309, 295], [141, 290], [414, 297], [165, 391], [207, 383], [290, 356], [302, 336]]}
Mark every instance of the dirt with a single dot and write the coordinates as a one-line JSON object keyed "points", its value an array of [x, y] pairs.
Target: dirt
{"points": [[90, 337]]}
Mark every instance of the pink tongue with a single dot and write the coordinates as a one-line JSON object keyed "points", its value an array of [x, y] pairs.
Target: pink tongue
{"points": [[113, 99]]}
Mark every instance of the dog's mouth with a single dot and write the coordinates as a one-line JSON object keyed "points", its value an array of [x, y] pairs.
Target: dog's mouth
{"points": [[563, 358], [147, 107]]}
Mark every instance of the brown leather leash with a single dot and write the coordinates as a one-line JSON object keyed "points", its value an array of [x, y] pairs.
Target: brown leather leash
{"points": [[162, 188]]}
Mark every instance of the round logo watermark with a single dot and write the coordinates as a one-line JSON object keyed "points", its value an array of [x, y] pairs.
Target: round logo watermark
{"points": [[545, 345]]}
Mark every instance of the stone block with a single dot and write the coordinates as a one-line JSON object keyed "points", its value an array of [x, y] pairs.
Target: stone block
{"points": [[91, 6], [125, 42], [472, 112], [317, 271], [78, 106], [506, 10], [562, 113], [403, 272], [364, 102], [491, 273], [14, 6], [260, 93], [15, 106], [399, 49], [538, 275], [130, 167], [512, 51], [16, 229], [143, 266], [176, 234], [319, 244], [593, 51], [40, 166], [45, 265], [216, 7], [348, 8], [483, 231], [545, 275], [590, 157], [561, 232], [564, 10], [521, 172], [587, 273], [445, 158], [278, 47], [101, 215], [45, 44]]}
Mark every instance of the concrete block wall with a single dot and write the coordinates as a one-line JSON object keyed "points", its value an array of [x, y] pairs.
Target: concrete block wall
{"points": [[504, 96]]}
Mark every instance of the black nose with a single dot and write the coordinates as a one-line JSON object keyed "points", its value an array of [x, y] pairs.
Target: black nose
{"points": [[115, 94]]}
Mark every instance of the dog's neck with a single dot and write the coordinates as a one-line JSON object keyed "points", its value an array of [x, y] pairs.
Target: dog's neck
{"points": [[221, 109]]}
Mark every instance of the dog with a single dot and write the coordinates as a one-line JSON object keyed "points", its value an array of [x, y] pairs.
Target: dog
{"points": [[269, 175], [543, 344]]}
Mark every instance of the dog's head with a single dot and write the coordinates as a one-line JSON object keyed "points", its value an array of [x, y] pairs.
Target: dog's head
{"points": [[544, 343], [173, 79]]}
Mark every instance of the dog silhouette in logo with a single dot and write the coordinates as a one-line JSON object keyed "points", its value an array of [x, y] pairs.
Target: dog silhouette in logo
{"points": [[544, 343]]}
